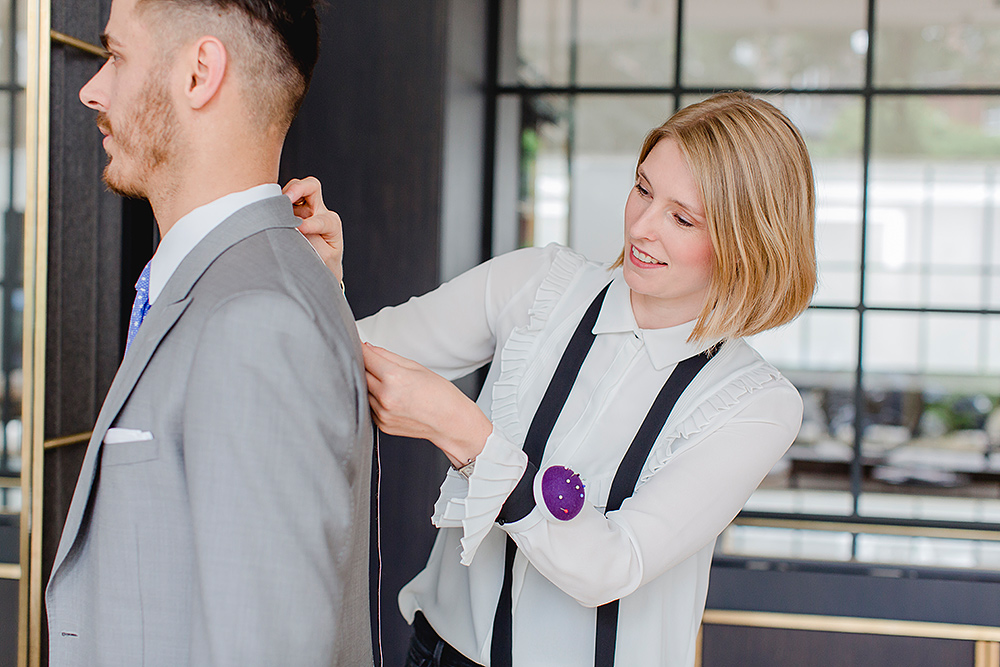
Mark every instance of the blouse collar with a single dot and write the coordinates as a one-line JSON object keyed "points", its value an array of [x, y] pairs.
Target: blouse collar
{"points": [[665, 347]]}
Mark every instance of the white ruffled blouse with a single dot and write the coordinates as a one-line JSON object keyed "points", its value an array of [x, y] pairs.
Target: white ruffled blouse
{"points": [[725, 433]]}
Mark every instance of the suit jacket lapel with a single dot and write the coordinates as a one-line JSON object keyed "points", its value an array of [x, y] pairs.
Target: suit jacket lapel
{"points": [[171, 304], [154, 328]]}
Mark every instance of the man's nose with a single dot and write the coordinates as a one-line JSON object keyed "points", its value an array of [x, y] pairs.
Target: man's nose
{"points": [[92, 93]]}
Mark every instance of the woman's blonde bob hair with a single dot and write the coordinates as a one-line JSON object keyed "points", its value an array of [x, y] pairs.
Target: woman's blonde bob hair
{"points": [[752, 168]]}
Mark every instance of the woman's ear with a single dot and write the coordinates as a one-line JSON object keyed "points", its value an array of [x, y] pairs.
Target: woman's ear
{"points": [[206, 68]]}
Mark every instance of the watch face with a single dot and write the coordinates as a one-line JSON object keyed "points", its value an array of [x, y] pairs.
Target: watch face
{"points": [[466, 470]]}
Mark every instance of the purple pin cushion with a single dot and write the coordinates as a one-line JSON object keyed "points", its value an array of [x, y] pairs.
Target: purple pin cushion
{"points": [[560, 491]]}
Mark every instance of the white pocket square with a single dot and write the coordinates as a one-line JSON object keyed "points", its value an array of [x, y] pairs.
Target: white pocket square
{"points": [[117, 435]]}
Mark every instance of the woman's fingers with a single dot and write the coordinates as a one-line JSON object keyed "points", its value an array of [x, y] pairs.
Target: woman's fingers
{"points": [[384, 360], [322, 227], [306, 195]]}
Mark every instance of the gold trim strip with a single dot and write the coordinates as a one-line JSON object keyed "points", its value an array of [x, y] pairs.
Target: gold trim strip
{"points": [[37, 93], [74, 439], [10, 571], [848, 526], [69, 40], [850, 624], [987, 654]]}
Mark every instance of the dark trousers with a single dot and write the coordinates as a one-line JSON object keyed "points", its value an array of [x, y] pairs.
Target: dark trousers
{"points": [[427, 649]]}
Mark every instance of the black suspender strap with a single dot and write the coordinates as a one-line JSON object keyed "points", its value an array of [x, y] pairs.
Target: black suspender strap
{"points": [[534, 444], [628, 475], [621, 488]]}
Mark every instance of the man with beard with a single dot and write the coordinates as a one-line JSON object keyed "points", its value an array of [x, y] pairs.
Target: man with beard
{"points": [[221, 512]]}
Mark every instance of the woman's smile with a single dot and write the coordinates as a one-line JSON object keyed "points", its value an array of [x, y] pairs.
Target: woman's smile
{"points": [[640, 258]]}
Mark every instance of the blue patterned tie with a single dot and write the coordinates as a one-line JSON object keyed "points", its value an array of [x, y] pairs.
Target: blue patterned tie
{"points": [[140, 306]]}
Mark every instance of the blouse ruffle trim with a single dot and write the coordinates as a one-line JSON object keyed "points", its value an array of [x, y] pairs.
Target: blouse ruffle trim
{"points": [[705, 412], [516, 351], [473, 505]]}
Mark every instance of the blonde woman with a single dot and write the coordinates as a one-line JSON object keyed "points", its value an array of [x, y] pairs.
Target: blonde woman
{"points": [[624, 421]]}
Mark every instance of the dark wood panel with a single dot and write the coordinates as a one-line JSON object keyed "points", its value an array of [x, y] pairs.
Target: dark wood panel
{"points": [[963, 597], [8, 622], [84, 274], [83, 338], [371, 129], [725, 646]]}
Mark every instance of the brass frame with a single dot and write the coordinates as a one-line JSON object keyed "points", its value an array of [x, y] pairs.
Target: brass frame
{"points": [[987, 654], [69, 40], [39, 19], [986, 638], [849, 526], [74, 439]]}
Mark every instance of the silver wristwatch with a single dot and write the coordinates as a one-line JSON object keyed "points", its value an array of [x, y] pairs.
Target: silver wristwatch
{"points": [[466, 470]]}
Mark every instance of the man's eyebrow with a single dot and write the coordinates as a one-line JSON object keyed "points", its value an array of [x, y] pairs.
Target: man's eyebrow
{"points": [[106, 41]]}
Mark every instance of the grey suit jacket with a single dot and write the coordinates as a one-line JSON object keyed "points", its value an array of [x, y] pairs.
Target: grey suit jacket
{"points": [[231, 528]]}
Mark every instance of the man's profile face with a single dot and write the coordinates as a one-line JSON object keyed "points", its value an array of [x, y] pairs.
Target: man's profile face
{"points": [[132, 95]]}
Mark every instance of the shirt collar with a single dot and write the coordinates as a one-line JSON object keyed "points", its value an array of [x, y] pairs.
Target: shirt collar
{"points": [[193, 227], [665, 347]]}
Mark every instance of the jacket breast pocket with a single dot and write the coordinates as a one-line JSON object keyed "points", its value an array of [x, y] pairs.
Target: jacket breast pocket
{"points": [[129, 452]]}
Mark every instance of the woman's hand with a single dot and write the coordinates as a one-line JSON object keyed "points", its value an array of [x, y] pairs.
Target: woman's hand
{"points": [[321, 226], [410, 400]]}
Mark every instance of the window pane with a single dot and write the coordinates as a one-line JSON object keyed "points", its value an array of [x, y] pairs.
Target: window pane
{"points": [[933, 203], [20, 180], [932, 408], [10, 498], [629, 43], [608, 133], [832, 127], [545, 170], [957, 347], [817, 343], [536, 43], [5, 149], [927, 551], [899, 506], [802, 501], [761, 542], [818, 353], [10, 446], [938, 44], [774, 43]]}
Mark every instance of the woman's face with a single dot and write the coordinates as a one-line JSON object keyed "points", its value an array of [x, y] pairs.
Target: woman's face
{"points": [[668, 249]]}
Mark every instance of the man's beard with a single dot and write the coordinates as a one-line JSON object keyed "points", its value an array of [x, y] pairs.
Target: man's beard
{"points": [[144, 142]]}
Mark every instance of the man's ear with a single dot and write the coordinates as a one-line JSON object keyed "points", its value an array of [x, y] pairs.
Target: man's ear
{"points": [[206, 69]]}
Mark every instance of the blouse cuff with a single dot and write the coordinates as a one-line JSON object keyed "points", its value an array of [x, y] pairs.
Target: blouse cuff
{"points": [[474, 504]]}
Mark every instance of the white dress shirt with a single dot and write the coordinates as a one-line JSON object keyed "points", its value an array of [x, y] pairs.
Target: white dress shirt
{"points": [[725, 433], [193, 227]]}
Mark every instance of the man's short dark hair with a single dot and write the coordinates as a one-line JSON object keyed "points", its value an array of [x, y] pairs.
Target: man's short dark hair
{"points": [[294, 21], [274, 44]]}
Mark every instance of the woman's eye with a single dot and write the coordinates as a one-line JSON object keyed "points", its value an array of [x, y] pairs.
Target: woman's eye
{"points": [[682, 222], [642, 191]]}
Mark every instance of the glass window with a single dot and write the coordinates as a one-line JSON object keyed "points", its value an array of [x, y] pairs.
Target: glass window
{"points": [[932, 203], [12, 199], [626, 43], [898, 358], [774, 43], [537, 36], [936, 44]]}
